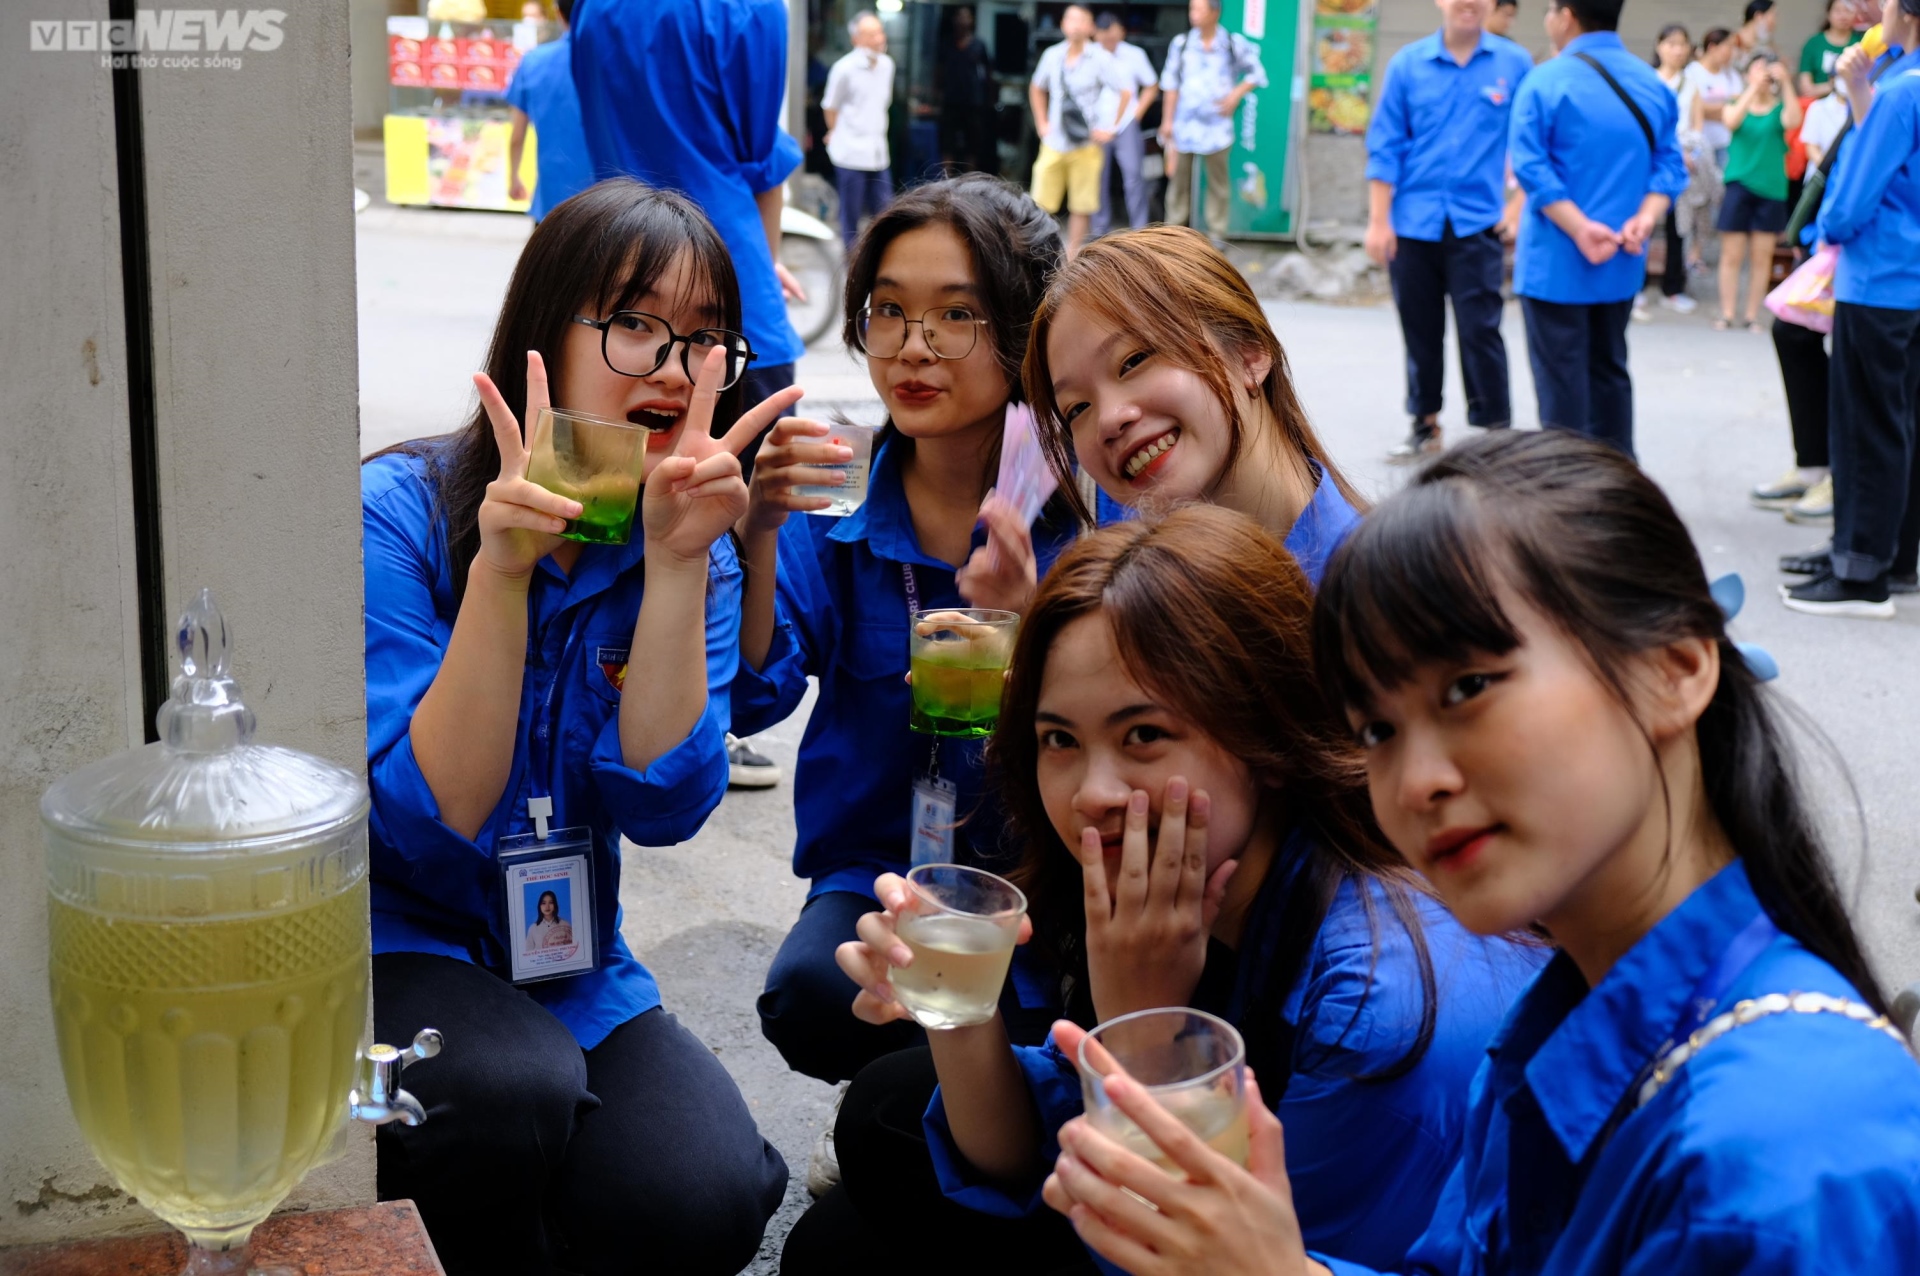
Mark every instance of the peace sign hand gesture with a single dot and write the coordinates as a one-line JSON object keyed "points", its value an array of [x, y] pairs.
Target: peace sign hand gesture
{"points": [[1147, 936], [695, 494], [520, 521]]}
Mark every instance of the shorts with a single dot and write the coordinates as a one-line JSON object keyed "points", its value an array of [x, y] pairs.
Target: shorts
{"points": [[1742, 212], [1074, 173]]}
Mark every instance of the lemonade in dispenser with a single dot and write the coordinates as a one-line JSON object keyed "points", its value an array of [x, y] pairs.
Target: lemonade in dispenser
{"points": [[207, 910]]}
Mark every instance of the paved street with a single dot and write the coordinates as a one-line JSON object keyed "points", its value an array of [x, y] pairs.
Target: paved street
{"points": [[707, 915]]}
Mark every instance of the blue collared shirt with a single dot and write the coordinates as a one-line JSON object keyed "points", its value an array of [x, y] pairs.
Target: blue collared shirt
{"points": [[1319, 530], [1367, 1159], [1573, 138], [686, 95], [1789, 1145], [435, 891], [1439, 135], [840, 615], [1872, 209], [542, 90]]}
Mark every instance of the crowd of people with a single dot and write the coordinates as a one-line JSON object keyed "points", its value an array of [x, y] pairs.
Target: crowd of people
{"points": [[1585, 161], [1464, 809]]}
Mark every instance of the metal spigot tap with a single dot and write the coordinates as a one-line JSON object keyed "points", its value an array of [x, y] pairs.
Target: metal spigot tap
{"points": [[383, 1099]]}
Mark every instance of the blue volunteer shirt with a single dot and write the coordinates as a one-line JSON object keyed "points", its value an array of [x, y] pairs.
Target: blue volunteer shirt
{"points": [[1367, 1159], [1789, 1145], [1439, 135], [435, 891], [1319, 530], [1573, 138], [840, 615], [1872, 209], [542, 90], [686, 95]]}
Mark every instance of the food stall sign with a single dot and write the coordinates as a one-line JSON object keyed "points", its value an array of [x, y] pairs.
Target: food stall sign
{"points": [[1263, 130], [1340, 65]]}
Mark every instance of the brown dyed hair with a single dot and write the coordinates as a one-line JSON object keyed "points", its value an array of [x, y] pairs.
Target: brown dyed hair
{"points": [[1164, 283], [1213, 618]]}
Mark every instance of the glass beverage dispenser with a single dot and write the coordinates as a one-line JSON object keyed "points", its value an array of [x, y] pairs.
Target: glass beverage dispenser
{"points": [[207, 906]]}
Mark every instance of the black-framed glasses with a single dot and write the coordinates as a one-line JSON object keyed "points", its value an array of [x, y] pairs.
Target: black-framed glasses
{"points": [[636, 344], [950, 331]]}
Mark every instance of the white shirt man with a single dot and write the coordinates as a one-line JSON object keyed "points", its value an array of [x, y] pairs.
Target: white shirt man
{"points": [[858, 96], [1128, 148]]}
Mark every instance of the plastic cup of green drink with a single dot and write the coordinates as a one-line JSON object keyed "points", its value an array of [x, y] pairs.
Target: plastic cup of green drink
{"points": [[595, 461], [959, 658]]}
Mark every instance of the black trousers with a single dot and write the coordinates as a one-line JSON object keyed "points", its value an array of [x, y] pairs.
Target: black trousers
{"points": [[1579, 360], [1874, 406], [806, 1008], [1673, 279], [1803, 374], [1424, 274], [889, 1207], [636, 1156]]}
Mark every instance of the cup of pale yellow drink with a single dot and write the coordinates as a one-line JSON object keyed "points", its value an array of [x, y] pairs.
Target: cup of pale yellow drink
{"points": [[961, 924], [1191, 1062]]}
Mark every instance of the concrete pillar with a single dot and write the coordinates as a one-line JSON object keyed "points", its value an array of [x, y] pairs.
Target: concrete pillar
{"points": [[254, 445]]}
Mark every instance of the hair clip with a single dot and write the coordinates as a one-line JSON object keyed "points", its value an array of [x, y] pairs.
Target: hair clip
{"points": [[1730, 593]]}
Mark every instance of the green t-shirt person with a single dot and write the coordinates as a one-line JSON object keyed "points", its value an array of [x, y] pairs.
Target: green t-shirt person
{"points": [[1757, 159], [1819, 54]]}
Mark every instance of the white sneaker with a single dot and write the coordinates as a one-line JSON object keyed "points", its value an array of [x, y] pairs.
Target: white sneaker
{"points": [[1640, 314], [1680, 305], [748, 768]]}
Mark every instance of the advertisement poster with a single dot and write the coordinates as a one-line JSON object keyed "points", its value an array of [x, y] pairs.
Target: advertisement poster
{"points": [[1340, 65], [1258, 161]]}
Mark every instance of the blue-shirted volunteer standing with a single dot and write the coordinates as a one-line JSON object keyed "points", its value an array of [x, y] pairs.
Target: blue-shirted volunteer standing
{"points": [[1367, 1159], [686, 95], [1582, 156], [542, 91], [1872, 211], [1789, 1145], [1437, 167]]}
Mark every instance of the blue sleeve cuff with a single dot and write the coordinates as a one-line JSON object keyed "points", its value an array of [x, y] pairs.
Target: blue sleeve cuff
{"points": [[775, 168], [1055, 1088], [426, 855], [770, 694], [1384, 168], [1340, 1266], [669, 801]]}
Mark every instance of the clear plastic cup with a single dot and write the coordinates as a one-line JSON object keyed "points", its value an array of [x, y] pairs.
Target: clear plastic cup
{"points": [[850, 495], [1191, 1062], [961, 924]]}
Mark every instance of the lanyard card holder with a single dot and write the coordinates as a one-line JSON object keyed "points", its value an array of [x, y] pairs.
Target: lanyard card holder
{"points": [[936, 803], [548, 886]]}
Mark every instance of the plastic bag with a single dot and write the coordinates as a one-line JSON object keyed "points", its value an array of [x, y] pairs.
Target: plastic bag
{"points": [[1805, 297]]}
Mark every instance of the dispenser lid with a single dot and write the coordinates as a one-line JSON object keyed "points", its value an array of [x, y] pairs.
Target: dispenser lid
{"points": [[204, 786]]}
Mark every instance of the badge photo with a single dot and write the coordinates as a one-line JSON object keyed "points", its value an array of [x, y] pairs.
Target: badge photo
{"points": [[550, 906]]}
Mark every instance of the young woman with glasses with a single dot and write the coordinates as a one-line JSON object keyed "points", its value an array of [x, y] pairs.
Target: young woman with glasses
{"points": [[573, 1115], [1153, 369], [938, 297]]}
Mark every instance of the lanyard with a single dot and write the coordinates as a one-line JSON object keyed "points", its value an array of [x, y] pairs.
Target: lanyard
{"points": [[540, 747]]}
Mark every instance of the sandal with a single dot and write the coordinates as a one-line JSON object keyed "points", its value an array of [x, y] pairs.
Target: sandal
{"points": [[1723, 323]]}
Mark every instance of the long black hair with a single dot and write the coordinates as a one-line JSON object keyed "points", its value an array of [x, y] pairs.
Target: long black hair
{"points": [[600, 251], [1582, 535]]}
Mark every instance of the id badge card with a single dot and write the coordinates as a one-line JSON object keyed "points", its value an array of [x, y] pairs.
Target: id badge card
{"points": [[550, 905], [935, 806]]}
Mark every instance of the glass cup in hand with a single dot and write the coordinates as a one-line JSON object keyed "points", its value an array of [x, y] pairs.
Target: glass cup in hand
{"points": [[592, 460], [849, 494], [959, 658], [961, 925], [1191, 1062]]}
